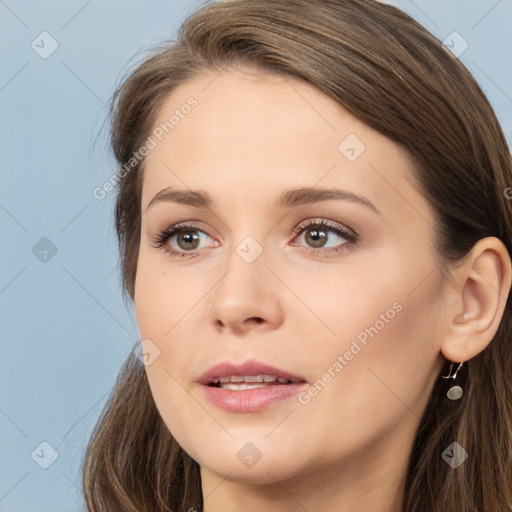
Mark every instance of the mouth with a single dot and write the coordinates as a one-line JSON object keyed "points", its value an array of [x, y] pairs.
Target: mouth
{"points": [[248, 387]]}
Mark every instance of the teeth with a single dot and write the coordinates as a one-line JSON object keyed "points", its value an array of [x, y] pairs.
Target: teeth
{"points": [[257, 378], [244, 385], [249, 379]]}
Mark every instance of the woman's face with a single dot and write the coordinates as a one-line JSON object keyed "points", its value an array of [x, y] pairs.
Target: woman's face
{"points": [[349, 310]]}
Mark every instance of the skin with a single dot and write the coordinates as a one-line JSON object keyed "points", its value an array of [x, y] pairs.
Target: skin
{"points": [[251, 136]]}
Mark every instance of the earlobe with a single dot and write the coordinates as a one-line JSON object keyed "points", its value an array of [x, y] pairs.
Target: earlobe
{"points": [[482, 284]]}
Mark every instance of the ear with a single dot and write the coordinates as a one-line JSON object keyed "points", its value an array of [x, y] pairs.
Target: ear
{"points": [[479, 292]]}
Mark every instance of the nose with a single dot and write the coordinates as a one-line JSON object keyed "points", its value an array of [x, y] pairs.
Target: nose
{"points": [[246, 297]]}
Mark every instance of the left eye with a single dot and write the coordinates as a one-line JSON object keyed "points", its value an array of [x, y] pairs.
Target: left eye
{"points": [[316, 234]]}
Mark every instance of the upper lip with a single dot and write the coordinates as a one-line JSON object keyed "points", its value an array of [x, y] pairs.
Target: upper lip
{"points": [[251, 367]]}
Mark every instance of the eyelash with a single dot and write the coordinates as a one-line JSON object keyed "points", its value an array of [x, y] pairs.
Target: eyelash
{"points": [[159, 242]]}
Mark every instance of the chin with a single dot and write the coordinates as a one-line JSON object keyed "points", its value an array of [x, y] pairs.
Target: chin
{"points": [[261, 473], [254, 462]]}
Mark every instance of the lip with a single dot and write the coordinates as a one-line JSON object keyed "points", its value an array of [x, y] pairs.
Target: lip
{"points": [[249, 400]]}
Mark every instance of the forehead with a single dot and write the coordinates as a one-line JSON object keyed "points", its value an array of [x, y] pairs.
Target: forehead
{"points": [[251, 134]]}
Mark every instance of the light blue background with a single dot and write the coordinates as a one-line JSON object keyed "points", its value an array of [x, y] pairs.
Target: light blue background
{"points": [[64, 328]]}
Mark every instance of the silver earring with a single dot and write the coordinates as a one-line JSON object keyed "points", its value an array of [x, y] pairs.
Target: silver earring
{"points": [[455, 392]]}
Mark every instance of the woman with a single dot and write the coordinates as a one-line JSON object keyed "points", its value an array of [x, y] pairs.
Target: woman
{"points": [[315, 233]]}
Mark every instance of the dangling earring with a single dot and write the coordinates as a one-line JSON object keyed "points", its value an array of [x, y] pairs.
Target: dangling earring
{"points": [[455, 392]]}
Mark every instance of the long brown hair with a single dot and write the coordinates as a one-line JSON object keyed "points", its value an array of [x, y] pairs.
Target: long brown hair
{"points": [[392, 74]]}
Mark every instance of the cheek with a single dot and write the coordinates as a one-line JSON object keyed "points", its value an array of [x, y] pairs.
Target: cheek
{"points": [[168, 314], [378, 319], [162, 314], [380, 361], [161, 297]]}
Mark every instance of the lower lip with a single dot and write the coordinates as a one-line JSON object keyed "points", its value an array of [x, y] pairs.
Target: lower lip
{"points": [[250, 400]]}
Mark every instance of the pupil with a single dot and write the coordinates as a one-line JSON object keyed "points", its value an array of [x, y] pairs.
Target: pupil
{"points": [[317, 236]]}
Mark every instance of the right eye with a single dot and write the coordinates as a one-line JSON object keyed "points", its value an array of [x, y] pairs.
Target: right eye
{"points": [[187, 239]]}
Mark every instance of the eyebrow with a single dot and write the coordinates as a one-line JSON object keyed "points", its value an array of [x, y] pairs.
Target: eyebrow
{"points": [[288, 199]]}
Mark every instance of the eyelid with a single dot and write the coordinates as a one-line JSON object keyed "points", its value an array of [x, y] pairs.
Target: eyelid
{"points": [[164, 235], [324, 223]]}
